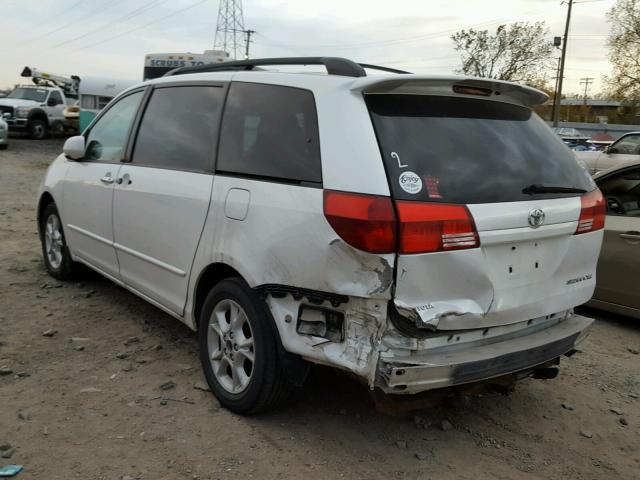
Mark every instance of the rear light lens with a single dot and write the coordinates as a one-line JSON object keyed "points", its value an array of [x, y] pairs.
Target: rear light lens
{"points": [[435, 227], [366, 222], [592, 213]]}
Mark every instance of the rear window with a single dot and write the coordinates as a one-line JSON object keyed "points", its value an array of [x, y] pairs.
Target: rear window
{"points": [[460, 150]]}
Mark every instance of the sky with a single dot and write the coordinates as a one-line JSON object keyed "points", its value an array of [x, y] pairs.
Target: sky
{"points": [[111, 37]]}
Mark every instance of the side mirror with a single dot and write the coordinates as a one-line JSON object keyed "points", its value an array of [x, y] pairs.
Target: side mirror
{"points": [[74, 148], [611, 149], [52, 102]]}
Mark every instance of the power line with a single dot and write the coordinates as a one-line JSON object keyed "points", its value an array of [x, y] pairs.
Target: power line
{"points": [[412, 38], [125, 17], [88, 14], [140, 27]]}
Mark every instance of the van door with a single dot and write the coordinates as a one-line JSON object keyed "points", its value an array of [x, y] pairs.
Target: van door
{"points": [[89, 184], [488, 202], [162, 197]]}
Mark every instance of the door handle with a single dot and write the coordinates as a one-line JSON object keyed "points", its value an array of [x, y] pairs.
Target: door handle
{"points": [[107, 179], [633, 236]]}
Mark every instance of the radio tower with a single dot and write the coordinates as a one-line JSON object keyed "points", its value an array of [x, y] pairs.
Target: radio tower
{"points": [[230, 32]]}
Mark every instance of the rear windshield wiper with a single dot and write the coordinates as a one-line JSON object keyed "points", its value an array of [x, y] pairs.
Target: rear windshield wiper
{"points": [[538, 188]]}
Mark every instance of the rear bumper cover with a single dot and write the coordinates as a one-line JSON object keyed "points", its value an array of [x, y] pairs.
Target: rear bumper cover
{"points": [[481, 360]]}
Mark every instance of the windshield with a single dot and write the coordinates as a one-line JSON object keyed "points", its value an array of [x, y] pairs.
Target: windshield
{"points": [[35, 94], [461, 150]]}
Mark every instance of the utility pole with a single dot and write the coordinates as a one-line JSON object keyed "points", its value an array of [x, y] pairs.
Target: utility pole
{"points": [[248, 33], [562, 60], [586, 81]]}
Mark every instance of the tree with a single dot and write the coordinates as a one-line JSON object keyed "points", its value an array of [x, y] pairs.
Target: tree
{"points": [[624, 50], [519, 52]]}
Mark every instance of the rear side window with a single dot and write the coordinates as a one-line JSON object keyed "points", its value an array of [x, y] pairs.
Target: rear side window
{"points": [[460, 150], [179, 128], [270, 131]]}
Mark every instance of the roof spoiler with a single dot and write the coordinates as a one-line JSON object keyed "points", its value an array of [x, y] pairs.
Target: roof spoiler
{"points": [[444, 85]]}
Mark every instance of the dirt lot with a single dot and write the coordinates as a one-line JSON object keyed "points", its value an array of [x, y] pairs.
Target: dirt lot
{"points": [[73, 408]]}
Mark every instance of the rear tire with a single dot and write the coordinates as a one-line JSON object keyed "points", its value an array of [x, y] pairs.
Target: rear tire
{"points": [[38, 130], [4, 146], [57, 258], [239, 350]]}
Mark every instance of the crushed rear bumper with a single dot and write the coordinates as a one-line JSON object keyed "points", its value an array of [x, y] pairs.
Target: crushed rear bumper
{"points": [[480, 360]]}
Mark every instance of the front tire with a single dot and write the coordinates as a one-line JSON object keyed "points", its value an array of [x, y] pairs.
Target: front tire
{"points": [[38, 129], [239, 350], [57, 258]]}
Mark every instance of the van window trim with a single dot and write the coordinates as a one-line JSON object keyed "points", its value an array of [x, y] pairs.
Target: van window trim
{"points": [[264, 178], [143, 108]]}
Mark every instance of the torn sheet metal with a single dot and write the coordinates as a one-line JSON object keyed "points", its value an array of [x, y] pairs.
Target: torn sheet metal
{"points": [[365, 323], [354, 272], [429, 315]]}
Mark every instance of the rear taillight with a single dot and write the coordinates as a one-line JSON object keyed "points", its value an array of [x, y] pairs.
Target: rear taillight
{"points": [[366, 222], [435, 227], [592, 213]]}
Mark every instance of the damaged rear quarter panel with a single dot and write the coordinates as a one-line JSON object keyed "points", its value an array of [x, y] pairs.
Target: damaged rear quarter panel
{"points": [[286, 240]]}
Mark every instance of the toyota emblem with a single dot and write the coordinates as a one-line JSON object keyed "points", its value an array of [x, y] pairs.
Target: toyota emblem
{"points": [[536, 218]]}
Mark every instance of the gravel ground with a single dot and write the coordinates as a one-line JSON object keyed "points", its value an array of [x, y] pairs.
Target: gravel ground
{"points": [[85, 401]]}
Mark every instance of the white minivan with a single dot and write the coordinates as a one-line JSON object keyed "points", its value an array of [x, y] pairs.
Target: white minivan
{"points": [[417, 231]]}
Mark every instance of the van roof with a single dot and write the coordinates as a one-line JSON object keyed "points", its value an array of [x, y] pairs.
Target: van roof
{"points": [[351, 76]]}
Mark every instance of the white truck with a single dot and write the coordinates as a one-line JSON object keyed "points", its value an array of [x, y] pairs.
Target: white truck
{"points": [[38, 109]]}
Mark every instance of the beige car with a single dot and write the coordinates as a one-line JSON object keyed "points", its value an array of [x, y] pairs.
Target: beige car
{"points": [[626, 148], [617, 288]]}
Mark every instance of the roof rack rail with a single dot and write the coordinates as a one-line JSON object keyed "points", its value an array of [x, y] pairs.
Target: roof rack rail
{"points": [[382, 69], [334, 66]]}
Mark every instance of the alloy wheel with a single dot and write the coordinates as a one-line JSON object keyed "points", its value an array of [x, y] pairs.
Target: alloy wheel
{"points": [[53, 241], [231, 347]]}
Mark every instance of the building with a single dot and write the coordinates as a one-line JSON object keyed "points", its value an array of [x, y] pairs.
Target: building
{"points": [[594, 110]]}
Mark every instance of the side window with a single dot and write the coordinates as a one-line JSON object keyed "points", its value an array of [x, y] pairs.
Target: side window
{"points": [[88, 102], [622, 193], [179, 128], [103, 101], [629, 145], [270, 131], [55, 98], [107, 139]]}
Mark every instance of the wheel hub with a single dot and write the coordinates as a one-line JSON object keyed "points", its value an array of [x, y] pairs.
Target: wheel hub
{"points": [[53, 241], [230, 344]]}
